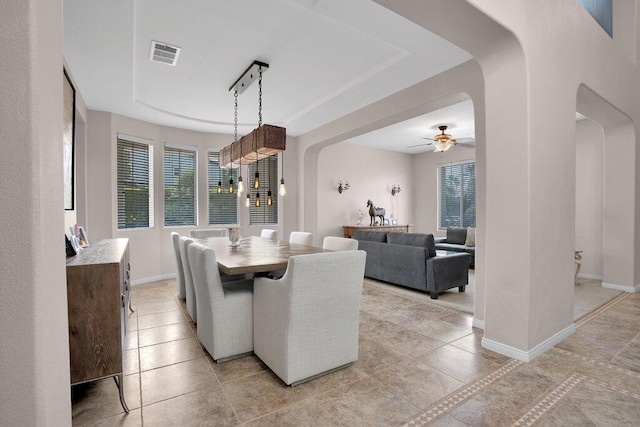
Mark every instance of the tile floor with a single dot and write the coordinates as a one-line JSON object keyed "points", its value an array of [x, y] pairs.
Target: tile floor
{"points": [[420, 364]]}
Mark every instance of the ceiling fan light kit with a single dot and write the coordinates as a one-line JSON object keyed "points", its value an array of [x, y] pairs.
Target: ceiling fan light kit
{"points": [[443, 141]]}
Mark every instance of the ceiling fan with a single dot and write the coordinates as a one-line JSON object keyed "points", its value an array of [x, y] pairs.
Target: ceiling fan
{"points": [[444, 141]]}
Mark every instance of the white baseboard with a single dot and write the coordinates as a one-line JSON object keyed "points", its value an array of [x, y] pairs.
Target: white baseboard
{"points": [[152, 279], [477, 323], [590, 276], [528, 356], [626, 288]]}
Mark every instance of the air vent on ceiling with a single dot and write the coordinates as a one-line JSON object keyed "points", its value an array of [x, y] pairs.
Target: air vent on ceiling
{"points": [[164, 53]]}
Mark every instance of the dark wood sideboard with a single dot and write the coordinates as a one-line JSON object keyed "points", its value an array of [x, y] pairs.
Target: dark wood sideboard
{"points": [[349, 229], [98, 297]]}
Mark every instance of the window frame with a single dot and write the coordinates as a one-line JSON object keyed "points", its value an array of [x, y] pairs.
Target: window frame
{"points": [[439, 192], [225, 185], [120, 137], [171, 147]]}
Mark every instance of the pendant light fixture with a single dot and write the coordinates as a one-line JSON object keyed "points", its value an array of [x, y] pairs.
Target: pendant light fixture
{"points": [[235, 138], [283, 189], [269, 198], [256, 179]]}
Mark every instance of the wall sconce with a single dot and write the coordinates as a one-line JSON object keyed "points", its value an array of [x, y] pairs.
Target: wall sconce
{"points": [[395, 189], [343, 187]]}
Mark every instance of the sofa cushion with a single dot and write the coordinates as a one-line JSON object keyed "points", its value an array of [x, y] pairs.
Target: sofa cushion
{"points": [[373, 267], [413, 239], [471, 237], [370, 236], [455, 248], [456, 235]]}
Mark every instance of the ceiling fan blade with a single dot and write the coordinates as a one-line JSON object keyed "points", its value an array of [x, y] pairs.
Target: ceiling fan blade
{"points": [[466, 140], [467, 145], [430, 139], [419, 145]]}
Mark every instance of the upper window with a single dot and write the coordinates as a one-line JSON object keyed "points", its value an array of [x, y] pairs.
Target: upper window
{"points": [[457, 195], [223, 205], [268, 170], [602, 12], [180, 186], [135, 183]]}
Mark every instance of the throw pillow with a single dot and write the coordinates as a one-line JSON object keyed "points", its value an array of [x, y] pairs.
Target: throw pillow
{"points": [[456, 235], [471, 237]]}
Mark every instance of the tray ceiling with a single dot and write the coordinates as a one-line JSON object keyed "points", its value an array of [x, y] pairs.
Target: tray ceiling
{"points": [[326, 59]]}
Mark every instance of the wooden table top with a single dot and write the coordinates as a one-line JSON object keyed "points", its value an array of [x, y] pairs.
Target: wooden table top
{"points": [[254, 254]]}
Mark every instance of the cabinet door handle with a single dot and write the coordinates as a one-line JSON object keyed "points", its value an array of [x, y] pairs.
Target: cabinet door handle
{"points": [[122, 299]]}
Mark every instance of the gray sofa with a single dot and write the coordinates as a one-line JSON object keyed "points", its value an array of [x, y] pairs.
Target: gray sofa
{"points": [[409, 259], [454, 242]]}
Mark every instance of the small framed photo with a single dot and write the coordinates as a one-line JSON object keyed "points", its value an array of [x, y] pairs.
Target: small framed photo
{"points": [[394, 222], [82, 237], [386, 222]]}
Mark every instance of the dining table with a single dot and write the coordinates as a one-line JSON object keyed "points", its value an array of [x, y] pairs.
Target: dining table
{"points": [[254, 254]]}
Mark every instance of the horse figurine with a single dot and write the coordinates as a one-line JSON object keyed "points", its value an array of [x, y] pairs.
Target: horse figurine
{"points": [[374, 212]]}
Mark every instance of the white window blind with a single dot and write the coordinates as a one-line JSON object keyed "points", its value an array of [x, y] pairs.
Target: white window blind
{"points": [[268, 169], [223, 207], [135, 184], [180, 186], [457, 195]]}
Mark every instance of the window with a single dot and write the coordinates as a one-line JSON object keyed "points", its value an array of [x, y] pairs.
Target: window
{"points": [[602, 12], [180, 186], [457, 195], [268, 170], [223, 207], [135, 182]]}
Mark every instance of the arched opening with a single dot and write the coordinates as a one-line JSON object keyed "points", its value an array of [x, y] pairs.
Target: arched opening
{"points": [[604, 207]]}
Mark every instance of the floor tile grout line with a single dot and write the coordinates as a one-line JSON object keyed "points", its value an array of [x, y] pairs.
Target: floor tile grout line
{"points": [[463, 394], [599, 363], [549, 401], [224, 393], [606, 306], [139, 373], [612, 387]]}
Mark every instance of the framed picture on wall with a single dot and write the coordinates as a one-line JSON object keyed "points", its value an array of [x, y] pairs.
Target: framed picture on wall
{"points": [[68, 139]]}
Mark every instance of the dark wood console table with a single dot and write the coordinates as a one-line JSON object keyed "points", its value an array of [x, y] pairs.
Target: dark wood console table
{"points": [[97, 298], [349, 229]]}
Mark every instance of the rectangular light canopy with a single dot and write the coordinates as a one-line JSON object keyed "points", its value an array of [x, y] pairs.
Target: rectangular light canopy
{"points": [[249, 76], [262, 142]]}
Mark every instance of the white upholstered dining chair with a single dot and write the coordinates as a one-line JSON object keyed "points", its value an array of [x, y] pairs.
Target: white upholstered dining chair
{"points": [[208, 232], [339, 244], [267, 233], [301, 238], [306, 323], [175, 240], [225, 310], [190, 292]]}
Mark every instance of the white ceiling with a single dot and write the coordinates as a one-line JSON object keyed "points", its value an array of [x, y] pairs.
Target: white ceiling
{"points": [[398, 137], [327, 58]]}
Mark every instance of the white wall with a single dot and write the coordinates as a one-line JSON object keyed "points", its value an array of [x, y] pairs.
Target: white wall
{"points": [[425, 172], [371, 174], [151, 252], [34, 341], [589, 196]]}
